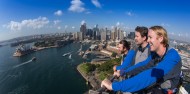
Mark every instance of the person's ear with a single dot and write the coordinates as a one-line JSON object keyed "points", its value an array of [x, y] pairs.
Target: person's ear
{"points": [[144, 38], [160, 39]]}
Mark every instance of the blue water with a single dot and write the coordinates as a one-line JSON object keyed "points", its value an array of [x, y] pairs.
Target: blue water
{"points": [[51, 73]]}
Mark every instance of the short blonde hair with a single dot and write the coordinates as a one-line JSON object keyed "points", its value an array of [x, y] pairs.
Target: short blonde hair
{"points": [[160, 31]]}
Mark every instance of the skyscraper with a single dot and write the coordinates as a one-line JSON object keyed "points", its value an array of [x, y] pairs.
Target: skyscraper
{"points": [[83, 29], [89, 33], [131, 35], [124, 34], [115, 33], [121, 35], [103, 35], [112, 35], [80, 36], [96, 33]]}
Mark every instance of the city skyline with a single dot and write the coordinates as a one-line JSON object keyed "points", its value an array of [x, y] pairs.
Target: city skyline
{"points": [[28, 17]]}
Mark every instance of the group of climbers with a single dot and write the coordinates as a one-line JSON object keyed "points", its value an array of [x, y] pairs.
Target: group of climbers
{"points": [[152, 67]]}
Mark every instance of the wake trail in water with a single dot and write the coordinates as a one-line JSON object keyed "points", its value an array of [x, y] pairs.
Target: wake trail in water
{"points": [[16, 66], [22, 64]]}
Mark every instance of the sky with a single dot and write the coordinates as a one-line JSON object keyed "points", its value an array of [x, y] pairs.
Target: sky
{"points": [[29, 17]]}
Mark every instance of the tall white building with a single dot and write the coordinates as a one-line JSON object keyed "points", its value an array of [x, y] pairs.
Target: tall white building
{"points": [[78, 36], [103, 36]]}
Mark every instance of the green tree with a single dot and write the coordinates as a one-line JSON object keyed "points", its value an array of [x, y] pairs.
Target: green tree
{"points": [[88, 67], [113, 54]]}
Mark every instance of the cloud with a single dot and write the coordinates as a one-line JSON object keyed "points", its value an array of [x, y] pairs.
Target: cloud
{"points": [[15, 26], [118, 24], [96, 3], [76, 6], [32, 23], [56, 22], [73, 27], [88, 12], [129, 13], [58, 13], [83, 22], [165, 24], [171, 33]]}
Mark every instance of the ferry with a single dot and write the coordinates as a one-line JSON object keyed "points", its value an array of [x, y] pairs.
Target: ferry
{"points": [[34, 59], [66, 54]]}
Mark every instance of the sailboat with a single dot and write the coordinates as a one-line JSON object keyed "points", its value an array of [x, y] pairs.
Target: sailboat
{"points": [[80, 49], [70, 56]]}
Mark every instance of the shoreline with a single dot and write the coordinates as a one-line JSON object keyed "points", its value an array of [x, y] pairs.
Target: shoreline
{"points": [[84, 75], [91, 79], [42, 48]]}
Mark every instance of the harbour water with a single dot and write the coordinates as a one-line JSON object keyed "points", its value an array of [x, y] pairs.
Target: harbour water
{"points": [[51, 73]]}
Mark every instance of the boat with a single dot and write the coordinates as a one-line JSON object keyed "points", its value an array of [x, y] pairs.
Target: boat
{"points": [[70, 56], [81, 53], [85, 56], [34, 59], [66, 54], [80, 49]]}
